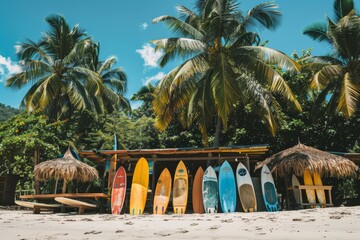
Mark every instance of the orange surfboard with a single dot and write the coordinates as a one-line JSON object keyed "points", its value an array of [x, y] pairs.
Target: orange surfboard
{"points": [[320, 193], [197, 197], [119, 191], [139, 187], [180, 189], [162, 192], [310, 193]]}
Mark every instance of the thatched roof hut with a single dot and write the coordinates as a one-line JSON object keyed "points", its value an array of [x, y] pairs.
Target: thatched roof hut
{"points": [[66, 168], [300, 157]]}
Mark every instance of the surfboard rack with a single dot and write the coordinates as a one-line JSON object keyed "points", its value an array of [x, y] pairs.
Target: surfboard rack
{"points": [[314, 187]]}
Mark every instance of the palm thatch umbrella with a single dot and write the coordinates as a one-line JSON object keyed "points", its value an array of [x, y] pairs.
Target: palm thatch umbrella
{"points": [[67, 168], [300, 157]]}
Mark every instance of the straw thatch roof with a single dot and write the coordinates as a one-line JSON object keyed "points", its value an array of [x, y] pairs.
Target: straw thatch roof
{"points": [[66, 168], [300, 157]]}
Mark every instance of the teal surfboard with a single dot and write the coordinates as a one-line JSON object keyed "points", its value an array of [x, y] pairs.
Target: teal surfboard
{"points": [[210, 191], [227, 188], [269, 190]]}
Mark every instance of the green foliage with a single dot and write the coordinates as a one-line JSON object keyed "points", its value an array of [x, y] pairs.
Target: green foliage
{"points": [[7, 112], [19, 136]]}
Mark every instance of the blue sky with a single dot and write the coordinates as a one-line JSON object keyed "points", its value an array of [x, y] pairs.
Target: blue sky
{"points": [[124, 30]]}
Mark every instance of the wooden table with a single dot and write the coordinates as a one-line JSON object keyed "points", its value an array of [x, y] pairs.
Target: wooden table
{"points": [[69, 195], [314, 187]]}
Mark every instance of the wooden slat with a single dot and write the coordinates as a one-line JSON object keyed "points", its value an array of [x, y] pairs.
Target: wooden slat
{"points": [[70, 195], [314, 187]]}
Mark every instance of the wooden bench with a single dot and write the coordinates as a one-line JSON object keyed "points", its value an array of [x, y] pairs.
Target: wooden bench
{"points": [[314, 187]]}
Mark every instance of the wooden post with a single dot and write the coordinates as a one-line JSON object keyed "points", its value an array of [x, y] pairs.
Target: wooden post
{"points": [[247, 163], [36, 161], [64, 187]]}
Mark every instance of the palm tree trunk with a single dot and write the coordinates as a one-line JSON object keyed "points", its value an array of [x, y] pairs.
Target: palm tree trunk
{"points": [[36, 161], [217, 133]]}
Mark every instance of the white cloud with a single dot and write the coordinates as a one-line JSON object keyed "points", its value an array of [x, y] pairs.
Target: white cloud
{"points": [[7, 68], [154, 78], [144, 26], [149, 55]]}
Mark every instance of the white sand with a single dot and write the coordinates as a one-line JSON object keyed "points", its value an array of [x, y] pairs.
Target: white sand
{"points": [[329, 223]]}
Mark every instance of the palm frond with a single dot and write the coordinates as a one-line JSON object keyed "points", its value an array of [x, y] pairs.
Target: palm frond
{"points": [[263, 103], [342, 8], [318, 32], [271, 56], [224, 87], [264, 15], [265, 73], [182, 47], [349, 95], [327, 74], [31, 72], [107, 64], [180, 27]]}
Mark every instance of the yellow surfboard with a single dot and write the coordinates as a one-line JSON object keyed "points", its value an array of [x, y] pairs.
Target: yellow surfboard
{"points": [[310, 193], [320, 193], [162, 192], [180, 189], [139, 187], [112, 172]]}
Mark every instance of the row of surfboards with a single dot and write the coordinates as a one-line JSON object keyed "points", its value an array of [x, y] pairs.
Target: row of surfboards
{"points": [[312, 195], [207, 190]]}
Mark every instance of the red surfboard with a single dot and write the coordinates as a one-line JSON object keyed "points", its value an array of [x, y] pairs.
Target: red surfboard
{"points": [[118, 191]]}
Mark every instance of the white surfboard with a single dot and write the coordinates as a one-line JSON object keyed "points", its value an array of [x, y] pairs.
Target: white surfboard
{"points": [[245, 189], [210, 191], [295, 184], [75, 203], [268, 190], [36, 207]]}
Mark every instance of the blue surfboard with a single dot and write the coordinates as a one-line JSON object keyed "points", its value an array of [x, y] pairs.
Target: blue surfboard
{"points": [[227, 188]]}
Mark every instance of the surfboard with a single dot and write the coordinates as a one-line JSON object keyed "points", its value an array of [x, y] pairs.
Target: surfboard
{"points": [[162, 192], [112, 171], [75, 203], [197, 198], [210, 191], [139, 187], [36, 207], [112, 168], [119, 191], [294, 183], [180, 189], [310, 193], [268, 189], [245, 189], [320, 193], [227, 188]]}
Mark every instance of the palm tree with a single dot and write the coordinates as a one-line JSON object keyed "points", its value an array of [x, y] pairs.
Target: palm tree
{"points": [[61, 82], [338, 74], [223, 66], [114, 78]]}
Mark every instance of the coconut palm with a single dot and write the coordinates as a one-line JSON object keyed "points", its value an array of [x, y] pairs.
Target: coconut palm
{"points": [[338, 74], [223, 66], [61, 82], [114, 78]]}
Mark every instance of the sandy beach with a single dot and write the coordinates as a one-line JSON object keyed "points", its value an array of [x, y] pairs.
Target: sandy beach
{"points": [[329, 223]]}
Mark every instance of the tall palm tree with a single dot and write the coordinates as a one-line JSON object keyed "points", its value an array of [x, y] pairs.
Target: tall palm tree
{"points": [[114, 78], [61, 82], [338, 74], [223, 66]]}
